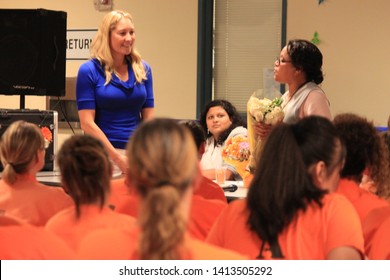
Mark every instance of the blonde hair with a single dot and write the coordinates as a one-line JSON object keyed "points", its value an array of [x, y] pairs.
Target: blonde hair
{"points": [[19, 146], [163, 164], [100, 47], [85, 170]]}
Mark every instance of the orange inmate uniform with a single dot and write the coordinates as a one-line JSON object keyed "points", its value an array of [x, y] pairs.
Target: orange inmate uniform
{"points": [[362, 200], [27, 242], [122, 245], [34, 204], [203, 212], [380, 244], [72, 230], [312, 235], [371, 225], [119, 189], [210, 190]]}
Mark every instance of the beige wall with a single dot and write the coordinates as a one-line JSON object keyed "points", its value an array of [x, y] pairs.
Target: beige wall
{"points": [[166, 38], [355, 43]]}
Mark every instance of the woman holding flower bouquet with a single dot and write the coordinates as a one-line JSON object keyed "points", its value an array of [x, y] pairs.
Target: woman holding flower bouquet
{"points": [[300, 67], [222, 122]]}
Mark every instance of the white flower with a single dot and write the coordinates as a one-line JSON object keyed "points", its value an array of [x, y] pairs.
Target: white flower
{"points": [[266, 110], [275, 116]]}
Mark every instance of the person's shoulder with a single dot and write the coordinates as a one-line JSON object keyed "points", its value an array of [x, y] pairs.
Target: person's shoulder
{"points": [[332, 199], [56, 193], [352, 190], [238, 204], [63, 216], [236, 208], [210, 190], [90, 65], [315, 90], [146, 65], [239, 130], [29, 242], [93, 62]]}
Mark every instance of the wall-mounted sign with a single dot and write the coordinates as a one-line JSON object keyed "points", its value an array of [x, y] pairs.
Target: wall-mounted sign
{"points": [[78, 43]]}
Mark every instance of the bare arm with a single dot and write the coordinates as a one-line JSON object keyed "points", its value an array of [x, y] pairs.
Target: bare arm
{"points": [[147, 113], [88, 125], [344, 253]]}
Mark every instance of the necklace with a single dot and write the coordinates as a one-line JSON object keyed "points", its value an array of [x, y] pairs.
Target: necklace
{"points": [[122, 72], [122, 76]]}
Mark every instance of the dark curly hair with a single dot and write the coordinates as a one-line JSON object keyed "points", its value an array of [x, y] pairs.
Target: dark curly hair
{"points": [[365, 148], [232, 112], [307, 57]]}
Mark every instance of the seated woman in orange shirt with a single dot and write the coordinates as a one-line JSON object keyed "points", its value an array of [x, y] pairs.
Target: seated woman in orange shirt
{"points": [[164, 168], [85, 174], [365, 151], [22, 153], [288, 213]]}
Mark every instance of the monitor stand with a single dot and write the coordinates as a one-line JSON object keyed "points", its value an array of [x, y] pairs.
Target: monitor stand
{"points": [[22, 101]]}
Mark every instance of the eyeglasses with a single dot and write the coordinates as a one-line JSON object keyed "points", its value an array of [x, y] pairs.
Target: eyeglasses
{"points": [[281, 60]]}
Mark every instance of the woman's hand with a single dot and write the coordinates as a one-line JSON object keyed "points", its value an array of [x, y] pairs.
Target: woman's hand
{"points": [[121, 162], [262, 129]]}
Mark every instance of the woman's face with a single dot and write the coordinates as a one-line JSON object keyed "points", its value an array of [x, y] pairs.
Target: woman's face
{"points": [[283, 68], [122, 37], [217, 120]]}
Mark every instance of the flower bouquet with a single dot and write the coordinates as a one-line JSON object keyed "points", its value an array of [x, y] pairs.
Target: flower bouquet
{"points": [[236, 152], [262, 109], [266, 110]]}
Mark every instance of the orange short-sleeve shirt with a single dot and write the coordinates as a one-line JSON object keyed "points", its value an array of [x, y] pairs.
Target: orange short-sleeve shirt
{"points": [[312, 235]]}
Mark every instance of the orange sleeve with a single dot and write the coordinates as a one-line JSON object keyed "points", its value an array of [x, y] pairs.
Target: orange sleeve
{"points": [[344, 227], [210, 190], [370, 225], [380, 249]]}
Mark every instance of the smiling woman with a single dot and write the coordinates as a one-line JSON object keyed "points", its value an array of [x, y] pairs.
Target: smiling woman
{"points": [[114, 89], [221, 121]]}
